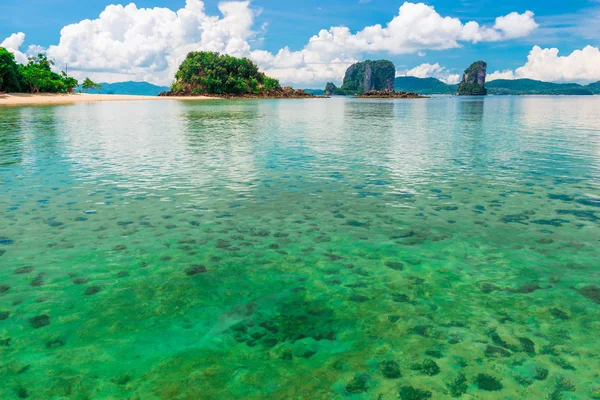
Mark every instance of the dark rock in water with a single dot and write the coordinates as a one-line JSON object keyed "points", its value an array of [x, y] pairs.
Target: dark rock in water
{"points": [[92, 290], [551, 222], [398, 266], [2, 252], [528, 346], [560, 314], [488, 383], [494, 351], [5, 342], [390, 369], [459, 386], [22, 393], [119, 247], [540, 374], [195, 270], [369, 75], [525, 289], [591, 292], [428, 367], [122, 274], [80, 281], [393, 318], [473, 80], [4, 315], [400, 298], [6, 241], [52, 344], [358, 298], [4, 288], [38, 281], [39, 321], [358, 384], [24, 270], [54, 224], [411, 393]]}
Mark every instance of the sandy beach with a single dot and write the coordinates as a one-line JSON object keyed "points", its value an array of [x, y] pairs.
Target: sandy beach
{"points": [[21, 99]]}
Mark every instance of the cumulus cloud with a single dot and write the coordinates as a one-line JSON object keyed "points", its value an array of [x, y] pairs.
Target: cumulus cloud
{"points": [[13, 43], [546, 65], [432, 71], [127, 42]]}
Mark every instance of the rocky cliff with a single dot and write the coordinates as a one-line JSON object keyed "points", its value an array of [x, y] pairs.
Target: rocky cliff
{"points": [[369, 75], [473, 81]]}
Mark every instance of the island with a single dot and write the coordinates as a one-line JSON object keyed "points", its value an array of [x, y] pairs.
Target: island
{"points": [[473, 80], [213, 74], [370, 79]]}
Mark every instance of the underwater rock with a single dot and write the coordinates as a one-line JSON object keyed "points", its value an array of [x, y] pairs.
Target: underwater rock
{"points": [[528, 346], [458, 386], [591, 292], [494, 351], [411, 393], [393, 318], [540, 374], [400, 298], [488, 383], [4, 315], [92, 290], [5, 241], [427, 367], [390, 369], [395, 265], [2, 252], [4, 288], [122, 274], [195, 270], [563, 197], [119, 247], [593, 202], [80, 281], [24, 270], [357, 298], [358, 384], [38, 281], [39, 321], [559, 314]]}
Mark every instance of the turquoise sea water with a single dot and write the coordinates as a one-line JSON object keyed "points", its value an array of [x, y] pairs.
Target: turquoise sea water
{"points": [[301, 249]]}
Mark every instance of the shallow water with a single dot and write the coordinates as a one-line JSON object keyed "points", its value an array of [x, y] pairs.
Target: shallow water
{"points": [[301, 249]]}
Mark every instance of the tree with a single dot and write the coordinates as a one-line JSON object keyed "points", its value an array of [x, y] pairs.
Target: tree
{"points": [[88, 84], [9, 72]]}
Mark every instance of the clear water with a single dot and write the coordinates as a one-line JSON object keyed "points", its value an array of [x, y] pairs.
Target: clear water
{"points": [[301, 249]]}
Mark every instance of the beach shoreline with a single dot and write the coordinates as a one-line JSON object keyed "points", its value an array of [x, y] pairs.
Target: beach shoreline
{"points": [[24, 99]]}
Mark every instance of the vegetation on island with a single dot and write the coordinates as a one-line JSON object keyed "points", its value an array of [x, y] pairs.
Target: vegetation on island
{"points": [[34, 77], [211, 73], [127, 88], [88, 85]]}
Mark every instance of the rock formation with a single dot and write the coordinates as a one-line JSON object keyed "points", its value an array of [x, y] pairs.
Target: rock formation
{"points": [[369, 75], [331, 89], [473, 81]]}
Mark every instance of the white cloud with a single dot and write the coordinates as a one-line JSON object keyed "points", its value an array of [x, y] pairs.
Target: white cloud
{"points": [[432, 71], [127, 42], [507, 74], [546, 65], [13, 43]]}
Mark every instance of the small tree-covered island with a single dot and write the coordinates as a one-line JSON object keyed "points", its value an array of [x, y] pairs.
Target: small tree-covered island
{"points": [[213, 74]]}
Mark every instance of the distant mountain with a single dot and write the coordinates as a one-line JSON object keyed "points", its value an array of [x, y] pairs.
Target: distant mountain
{"points": [[131, 88], [315, 92], [423, 85], [594, 87], [497, 87], [530, 86]]}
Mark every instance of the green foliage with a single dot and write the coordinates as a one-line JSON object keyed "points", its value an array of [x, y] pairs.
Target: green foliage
{"points": [[530, 86], [35, 77], [9, 72], [88, 84], [471, 89], [471, 84], [213, 73]]}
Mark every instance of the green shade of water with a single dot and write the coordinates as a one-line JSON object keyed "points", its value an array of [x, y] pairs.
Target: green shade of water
{"points": [[310, 249]]}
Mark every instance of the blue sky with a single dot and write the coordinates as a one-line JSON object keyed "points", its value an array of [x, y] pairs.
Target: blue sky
{"points": [[566, 25]]}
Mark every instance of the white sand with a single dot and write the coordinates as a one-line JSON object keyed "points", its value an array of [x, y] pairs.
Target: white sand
{"points": [[18, 99]]}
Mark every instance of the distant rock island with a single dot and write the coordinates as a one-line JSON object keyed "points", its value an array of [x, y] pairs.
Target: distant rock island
{"points": [[212, 74], [127, 88], [473, 80], [369, 79]]}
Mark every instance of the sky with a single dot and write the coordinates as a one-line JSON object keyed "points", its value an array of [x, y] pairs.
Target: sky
{"points": [[308, 43]]}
